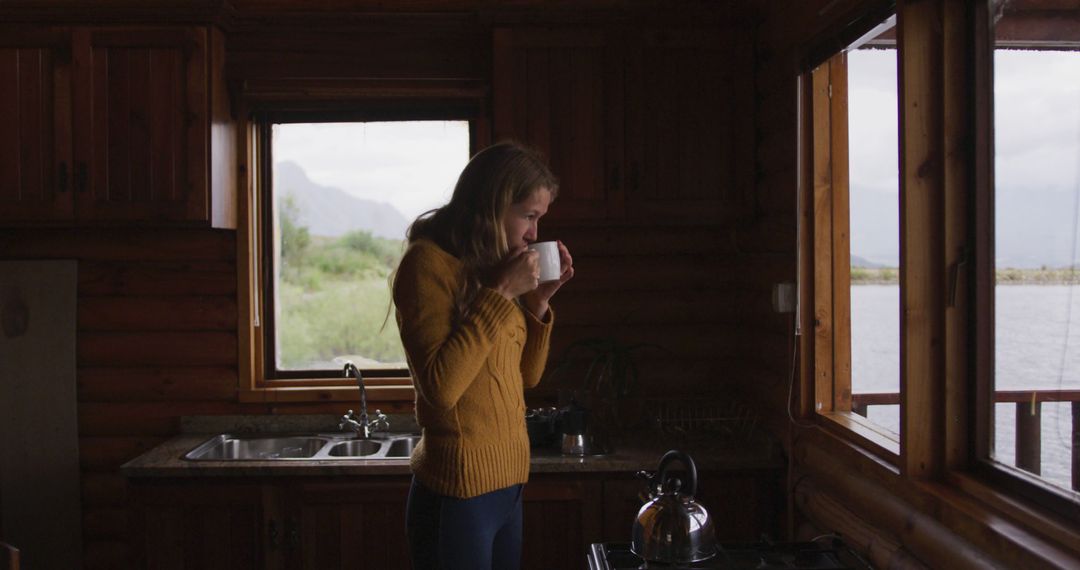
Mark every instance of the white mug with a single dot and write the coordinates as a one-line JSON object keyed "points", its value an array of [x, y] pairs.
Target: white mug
{"points": [[550, 261]]}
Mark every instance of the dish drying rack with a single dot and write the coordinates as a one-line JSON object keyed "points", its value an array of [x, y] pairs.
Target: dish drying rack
{"points": [[716, 420]]}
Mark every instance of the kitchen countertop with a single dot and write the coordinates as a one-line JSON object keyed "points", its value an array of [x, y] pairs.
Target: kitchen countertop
{"points": [[631, 454]]}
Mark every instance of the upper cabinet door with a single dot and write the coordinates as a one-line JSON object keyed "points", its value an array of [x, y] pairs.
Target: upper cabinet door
{"points": [[560, 92], [141, 114], [35, 125], [689, 126]]}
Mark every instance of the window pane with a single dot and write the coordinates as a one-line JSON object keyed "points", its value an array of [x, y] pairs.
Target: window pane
{"points": [[343, 196], [1037, 303], [874, 182]]}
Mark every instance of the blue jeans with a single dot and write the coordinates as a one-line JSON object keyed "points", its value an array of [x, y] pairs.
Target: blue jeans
{"points": [[479, 533]]}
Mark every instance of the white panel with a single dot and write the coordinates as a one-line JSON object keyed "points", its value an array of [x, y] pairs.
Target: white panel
{"points": [[39, 452]]}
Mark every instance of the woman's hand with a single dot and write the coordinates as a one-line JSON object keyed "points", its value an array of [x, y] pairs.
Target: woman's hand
{"points": [[537, 299], [516, 275]]}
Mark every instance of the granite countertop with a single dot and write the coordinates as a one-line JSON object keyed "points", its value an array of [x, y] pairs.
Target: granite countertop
{"points": [[629, 454]]}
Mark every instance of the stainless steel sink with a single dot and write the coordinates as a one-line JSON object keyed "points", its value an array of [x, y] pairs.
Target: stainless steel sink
{"points": [[356, 448], [226, 447], [307, 447], [402, 446]]}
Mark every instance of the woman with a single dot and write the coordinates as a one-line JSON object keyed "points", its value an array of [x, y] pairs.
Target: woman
{"points": [[475, 324]]}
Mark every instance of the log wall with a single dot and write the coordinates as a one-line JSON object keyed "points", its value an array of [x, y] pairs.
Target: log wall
{"points": [[157, 306]]}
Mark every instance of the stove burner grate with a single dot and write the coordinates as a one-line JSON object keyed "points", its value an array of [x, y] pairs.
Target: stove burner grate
{"points": [[736, 556]]}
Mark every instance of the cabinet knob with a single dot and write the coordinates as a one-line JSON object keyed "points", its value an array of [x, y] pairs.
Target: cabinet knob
{"points": [[62, 178], [272, 533], [80, 177], [292, 534]]}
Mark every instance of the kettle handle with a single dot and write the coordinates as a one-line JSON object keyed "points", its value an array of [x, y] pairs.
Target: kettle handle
{"points": [[691, 469]]}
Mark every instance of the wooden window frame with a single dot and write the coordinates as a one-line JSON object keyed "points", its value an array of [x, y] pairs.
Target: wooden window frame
{"points": [[987, 477], [268, 102], [825, 211], [946, 280]]}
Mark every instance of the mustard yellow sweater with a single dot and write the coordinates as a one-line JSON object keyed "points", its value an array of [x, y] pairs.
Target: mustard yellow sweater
{"points": [[469, 379]]}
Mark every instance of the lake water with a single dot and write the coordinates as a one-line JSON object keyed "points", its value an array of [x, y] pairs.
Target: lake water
{"points": [[1032, 324]]}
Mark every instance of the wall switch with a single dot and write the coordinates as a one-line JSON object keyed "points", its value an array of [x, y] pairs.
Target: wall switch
{"points": [[783, 297]]}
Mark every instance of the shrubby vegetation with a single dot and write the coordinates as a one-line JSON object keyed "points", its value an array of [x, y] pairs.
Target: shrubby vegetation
{"points": [[1005, 276], [334, 296]]}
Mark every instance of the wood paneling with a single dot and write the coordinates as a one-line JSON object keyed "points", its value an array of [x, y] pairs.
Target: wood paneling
{"points": [[403, 47], [157, 278], [103, 490], [157, 349], [111, 244], [144, 314], [141, 384]]}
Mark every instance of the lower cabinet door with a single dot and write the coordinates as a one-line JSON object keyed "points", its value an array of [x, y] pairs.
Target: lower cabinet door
{"points": [[196, 525], [562, 516], [339, 524]]}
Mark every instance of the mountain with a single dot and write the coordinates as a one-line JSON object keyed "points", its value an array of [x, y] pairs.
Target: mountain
{"points": [[328, 211], [857, 261]]}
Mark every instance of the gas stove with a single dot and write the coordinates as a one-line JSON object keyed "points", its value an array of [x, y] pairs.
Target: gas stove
{"points": [[740, 556]]}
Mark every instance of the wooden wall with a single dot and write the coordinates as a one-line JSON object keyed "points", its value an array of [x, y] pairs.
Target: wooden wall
{"points": [[156, 340], [685, 261]]}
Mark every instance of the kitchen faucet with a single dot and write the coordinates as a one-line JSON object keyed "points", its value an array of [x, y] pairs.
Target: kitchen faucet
{"points": [[362, 426]]}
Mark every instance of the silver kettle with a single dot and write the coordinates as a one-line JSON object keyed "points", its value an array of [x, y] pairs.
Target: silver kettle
{"points": [[671, 527]]}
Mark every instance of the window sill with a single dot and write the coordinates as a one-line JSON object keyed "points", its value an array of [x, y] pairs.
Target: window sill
{"points": [[865, 433], [317, 394], [998, 524], [1024, 524]]}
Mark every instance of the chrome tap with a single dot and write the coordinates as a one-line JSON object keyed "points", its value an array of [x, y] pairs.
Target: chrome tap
{"points": [[363, 427]]}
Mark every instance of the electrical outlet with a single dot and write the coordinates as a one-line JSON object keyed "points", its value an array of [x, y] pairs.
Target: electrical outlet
{"points": [[783, 297]]}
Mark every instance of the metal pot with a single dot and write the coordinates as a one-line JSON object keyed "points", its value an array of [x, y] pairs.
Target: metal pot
{"points": [[673, 528]]}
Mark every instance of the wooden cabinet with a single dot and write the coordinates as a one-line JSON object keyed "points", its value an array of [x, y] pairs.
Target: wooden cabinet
{"points": [[560, 91], [689, 124], [331, 523], [561, 517], [638, 123], [328, 523], [35, 111], [115, 124], [198, 524], [347, 523]]}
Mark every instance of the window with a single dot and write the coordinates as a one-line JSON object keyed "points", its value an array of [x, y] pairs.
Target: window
{"points": [[986, 342], [331, 194], [853, 162], [341, 196], [1032, 389]]}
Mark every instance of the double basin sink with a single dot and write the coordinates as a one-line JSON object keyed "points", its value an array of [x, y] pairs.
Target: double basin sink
{"points": [[314, 447]]}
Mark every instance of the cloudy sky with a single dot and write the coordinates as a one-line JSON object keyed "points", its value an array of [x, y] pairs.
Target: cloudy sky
{"points": [[1037, 144], [410, 165]]}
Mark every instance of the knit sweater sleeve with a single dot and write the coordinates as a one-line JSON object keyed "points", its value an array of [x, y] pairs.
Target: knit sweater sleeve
{"points": [[444, 359], [538, 339]]}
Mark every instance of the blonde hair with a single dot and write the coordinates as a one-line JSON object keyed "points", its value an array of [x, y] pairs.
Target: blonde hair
{"points": [[470, 225]]}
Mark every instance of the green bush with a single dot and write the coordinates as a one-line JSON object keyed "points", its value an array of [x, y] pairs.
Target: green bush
{"points": [[332, 300]]}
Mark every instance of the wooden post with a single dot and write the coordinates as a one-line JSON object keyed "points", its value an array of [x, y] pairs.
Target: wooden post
{"points": [[922, 260], [1076, 446], [1029, 436]]}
